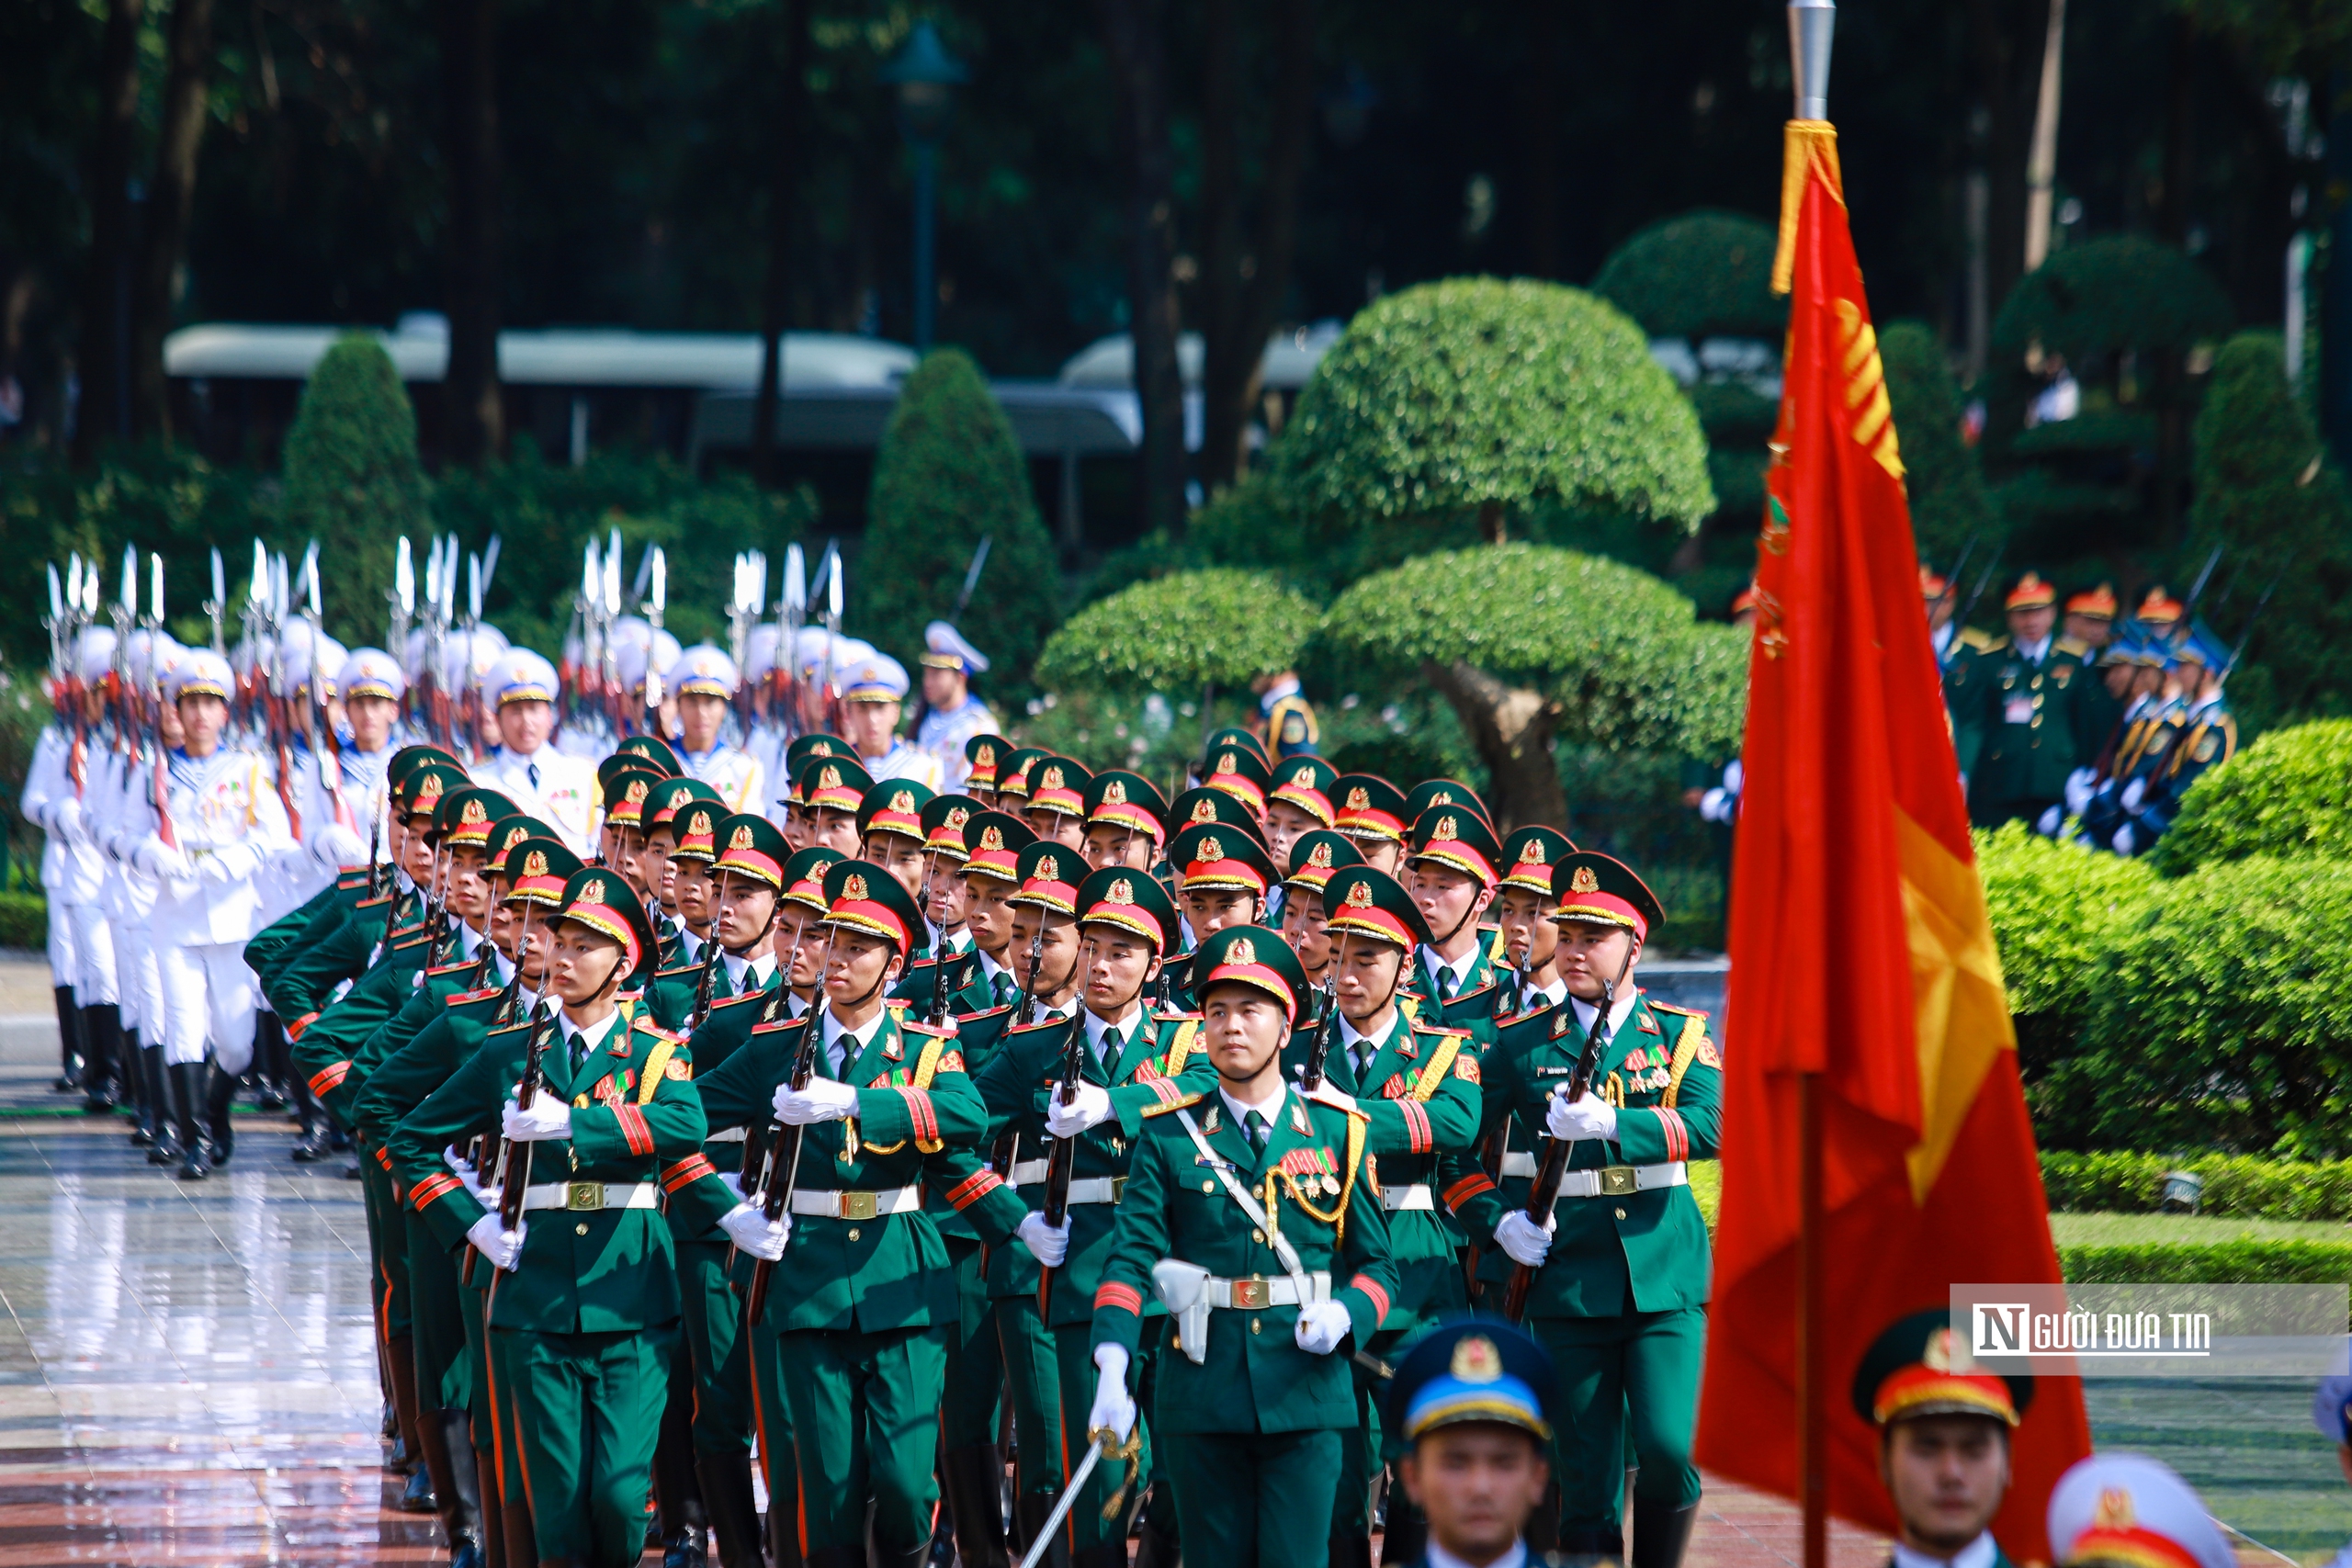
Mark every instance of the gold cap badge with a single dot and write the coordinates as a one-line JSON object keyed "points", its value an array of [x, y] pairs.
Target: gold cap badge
{"points": [[1581, 880], [992, 840], [854, 888], [1241, 953], [1115, 793], [474, 811], [1204, 811], [1321, 857], [985, 757], [1360, 896], [1208, 850], [593, 893], [1053, 779], [1446, 831], [536, 863], [1358, 799], [1475, 1360], [742, 839], [829, 778], [1123, 891]]}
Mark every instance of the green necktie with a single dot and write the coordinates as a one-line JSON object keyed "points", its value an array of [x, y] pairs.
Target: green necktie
{"points": [[579, 1053], [1005, 990], [1111, 1044], [1254, 1126], [721, 986], [1447, 983]]}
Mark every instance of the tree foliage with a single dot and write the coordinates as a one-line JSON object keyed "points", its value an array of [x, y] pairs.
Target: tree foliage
{"points": [[2122, 291], [1948, 502], [1177, 634], [1616, 648], [353, 481], [2288, 793], [1477, 395], [949, 472], [1703, 273]]}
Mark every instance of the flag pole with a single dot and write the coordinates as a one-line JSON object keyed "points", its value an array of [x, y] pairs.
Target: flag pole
{"points": [[1812, 24]]}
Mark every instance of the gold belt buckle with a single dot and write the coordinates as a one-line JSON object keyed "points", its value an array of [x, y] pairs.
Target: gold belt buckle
{"points": [[858, 1205], [583, 1195], [1251, 1293], [1118, 1188], [1616, 1180]]}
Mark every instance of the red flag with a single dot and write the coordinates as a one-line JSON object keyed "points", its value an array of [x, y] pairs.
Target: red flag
{"points": [[1860, 948]]}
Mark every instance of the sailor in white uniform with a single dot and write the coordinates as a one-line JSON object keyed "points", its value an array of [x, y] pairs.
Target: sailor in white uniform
{"points": [[55, 788], [952, 715], [554, 786], [704, 681], [873, 693]]}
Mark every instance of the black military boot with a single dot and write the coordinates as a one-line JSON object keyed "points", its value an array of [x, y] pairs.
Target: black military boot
{"points": [[136, 1095], [220, 1095], [1661, 1531], [733, 1507], [164, 1147], [461, 1512], [188, 1098], [101, 1046], [416, 1497], [270, 1065], [69, 1037]]}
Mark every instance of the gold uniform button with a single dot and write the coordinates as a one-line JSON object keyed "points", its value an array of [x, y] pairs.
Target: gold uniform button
{"points": [[1256, 1324], [1620, 1214], [1208, 1186], [853, 1233], [1259, 1237], [579, 1229]]}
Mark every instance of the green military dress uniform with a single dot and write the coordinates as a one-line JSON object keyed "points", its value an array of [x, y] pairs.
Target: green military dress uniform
{"points": [[1620, 1301], [582, 1329], [1452, 831], [1252, 1433]]}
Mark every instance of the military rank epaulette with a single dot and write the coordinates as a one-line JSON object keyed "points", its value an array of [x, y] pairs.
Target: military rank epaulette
{"points": [[351, 878], [417, 936], [1656, 1006], [676, 969], [524, 1022], [2075, 648], [1518, 1018], [647, 1026], [1174, 1015], [1420, 1028], [1165, 1106], [738, 996], [936, 1032], [452, 968], [488, 993], [377, 902], [624, 997], [1032, 1028], [1983, 642], [773, 1024], [985, 1012], [901, 1003]]}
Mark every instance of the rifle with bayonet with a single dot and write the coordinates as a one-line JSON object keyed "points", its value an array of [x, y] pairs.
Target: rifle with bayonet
{"points": [[783, 1156], [1064, 1154], [1003, 1153], [1968, 609], [526, 1093]]}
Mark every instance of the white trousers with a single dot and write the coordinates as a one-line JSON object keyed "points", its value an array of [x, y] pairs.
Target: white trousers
{"points": [[63, 967], [141, 984], [209, 992], [93, 981]]}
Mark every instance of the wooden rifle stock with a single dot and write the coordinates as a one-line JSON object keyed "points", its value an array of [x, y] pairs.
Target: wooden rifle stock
{"points": [[1310, 1077], [1064, 1154], [518, 1156], [1549, 1170], [784, 1161]]}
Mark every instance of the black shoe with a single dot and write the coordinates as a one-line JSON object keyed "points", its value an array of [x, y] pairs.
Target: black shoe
{"points": [[416, 1497], [220, 1094], [351, 1171], [69, 1039], [1660, 1533], [466, 1554], [194, 1167], [310, 1147], [684, 1550], [187, 1106], [101, 1046]]}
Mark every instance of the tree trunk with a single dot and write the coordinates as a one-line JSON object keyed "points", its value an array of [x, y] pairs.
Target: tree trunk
{"points": [[1493, 524], [783, 196], [1512, 729], [473, 414], [2008, 37], [170, 198], [1135, 33], [104, 410], [1242, 291]]}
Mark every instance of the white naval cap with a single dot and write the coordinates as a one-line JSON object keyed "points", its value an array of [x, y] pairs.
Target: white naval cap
{"points": [[94, 653], [2129, 1509], [661, 650], [943, 647], [203, 673], [138, 654], [294, 663], [630, 631], [464, 666], [759, 651], [518, 675], [164, 657], [702, 670], [875, 677], [371, 673]]}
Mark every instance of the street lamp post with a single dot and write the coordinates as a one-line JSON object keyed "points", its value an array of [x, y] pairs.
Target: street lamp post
{"points": [[926, 75]]}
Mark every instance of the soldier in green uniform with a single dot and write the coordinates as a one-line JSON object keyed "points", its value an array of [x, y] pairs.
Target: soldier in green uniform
{"points": [[678, 940], [1240, 772], [890, 835], [1298, 801], [1944, 1428], [1130, 1055], [2027, 701], [831, 789], [1622, 1264], [798, 832], [1523, 908], [981, 755], [1314, 858], [1055, 809], [1371, 811], [1476, 1404], [1450, 870], [587, 1301], [1012, 778], [991, 875], [1416, 1086], [863, 1297], [1127, 820], [947, 981], [1222, 877], [1252, 1214], [657, 752]]}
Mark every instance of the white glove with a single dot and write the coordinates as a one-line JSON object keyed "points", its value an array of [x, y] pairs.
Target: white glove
{"points": [[1321, 1326], [503, 1247], [65, 817], [1523, 1239], [166, 863], [733, 1181], [1048, 1244], [547, 1117], [338, 846], [1715, 806], [1333, 1096], [2080, 784], [752, 1231], [822, 1101], [1090, 1108], [2135, 792], [1114, 1406], [464, 1169], [2125, 839], [215, 869], [2050, 821], [1592, 1116]]}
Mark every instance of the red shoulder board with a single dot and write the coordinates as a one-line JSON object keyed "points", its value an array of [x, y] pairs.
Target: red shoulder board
{"points": [[638, 995], [487, 993], [773, 1024], [647, 1026], [377, 902], [1669, 1007], [914, 1026], [738, 996], [984, 1012], [1041, 1023], [677, 969], [450, 968]]}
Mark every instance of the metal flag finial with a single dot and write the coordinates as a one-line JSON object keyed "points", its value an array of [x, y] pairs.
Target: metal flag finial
{"points": [[1811, 23]]}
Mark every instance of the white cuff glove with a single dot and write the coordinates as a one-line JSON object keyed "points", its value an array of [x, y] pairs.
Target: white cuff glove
{"points": [[65, 817], [1715, 806], [2125, 839], [1522, 1239], [164, 862], [822, 1101], [503, 1247], [1333, 1096], [336, 846], [733, 1181], [1090, 1107], [2050, 821], [1114, 1406], [1048, 1244], [545, 1118], [1321, 1326], [466, 1174], [2133, 793], [753, 1232], [2080, 784], [1592, 1116]]}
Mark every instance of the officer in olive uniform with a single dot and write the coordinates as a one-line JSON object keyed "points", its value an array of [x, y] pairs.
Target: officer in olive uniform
{"points": [[1621, 1265], [1944, 1426], [1129, 1056], [864, 1295], [587, 1303], [1252, 1215], [1416, 1086], [2027, 701]]}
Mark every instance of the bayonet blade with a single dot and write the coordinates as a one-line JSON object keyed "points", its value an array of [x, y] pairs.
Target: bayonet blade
{"points": [[131, 581], [489, 566], [56, 598], [796, 580], [155, 587], [219, 584]]}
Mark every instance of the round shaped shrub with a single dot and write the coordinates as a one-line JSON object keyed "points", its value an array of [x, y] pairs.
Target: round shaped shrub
{"points": [[2125, 291], [1705, 274], [2288, 793], [1174, 634]]}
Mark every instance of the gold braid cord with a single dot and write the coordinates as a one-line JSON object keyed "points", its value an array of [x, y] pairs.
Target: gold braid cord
{"points": [[1130, 1454]]}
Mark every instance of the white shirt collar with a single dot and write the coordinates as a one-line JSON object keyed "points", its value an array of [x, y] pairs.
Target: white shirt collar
{"points": [[1546, 995], [689, 945], [842, 1056], [761, 968], [594, 1035], [1617, 1015], [1125, 1026], [990, 968], [1439, 1557], [1433, 965], [2034, 651], [1357, 1044], [1268, 1108], [1977, 1553]]}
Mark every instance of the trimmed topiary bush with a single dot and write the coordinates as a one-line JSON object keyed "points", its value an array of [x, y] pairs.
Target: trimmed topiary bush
{"points": [[2056, 909], [1529, 643], [948, 472], [2288, 793], [2236, 1186], [2219, 1263], [1705, 274], [1473, 395], [1948, 500], [353, 481], [1177, 634], [2123, 291]]}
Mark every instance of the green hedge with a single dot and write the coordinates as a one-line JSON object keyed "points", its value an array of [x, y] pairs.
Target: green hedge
{"points": [[24, 921], [2235, 1185], [2288, 794], [2222, 1263]]}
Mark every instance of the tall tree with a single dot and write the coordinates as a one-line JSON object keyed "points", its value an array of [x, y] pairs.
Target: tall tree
{"points": [[353, 481], [170, 198], [2007, 36], [785, 161], [1136, 32], [473, 413], [1242, 287], [104, 397]]}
